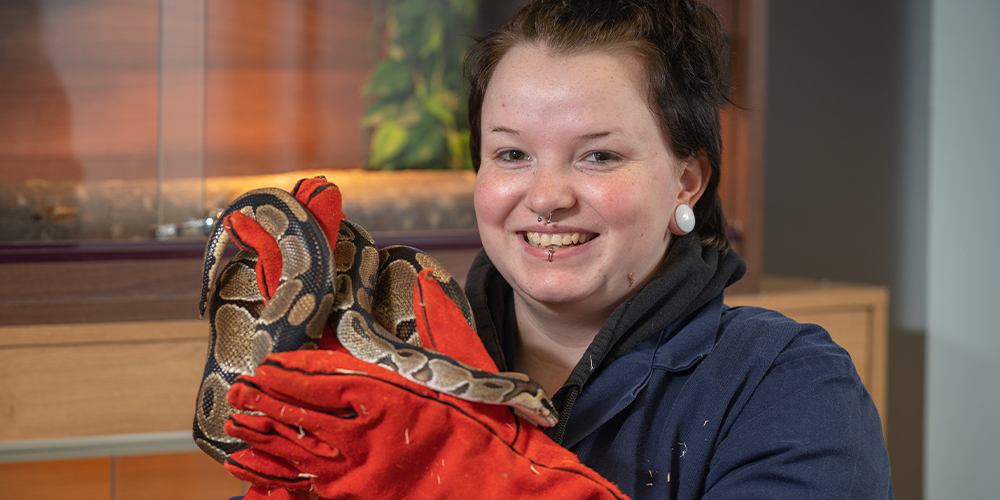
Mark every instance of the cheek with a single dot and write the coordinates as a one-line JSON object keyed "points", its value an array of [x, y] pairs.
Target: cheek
{"points": [[492, 199], [636, 207], [624, 200]]}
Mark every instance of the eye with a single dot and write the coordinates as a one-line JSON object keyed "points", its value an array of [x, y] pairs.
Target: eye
{"points": [[601, 157], [513, 155]]}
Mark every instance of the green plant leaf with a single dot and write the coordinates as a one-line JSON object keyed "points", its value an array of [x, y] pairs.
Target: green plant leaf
{"points": [[379, 111], [390, 78], [409, 112], [418, 115], [387, 142], [428, 148], [466, 9], [433, 35], [438, 106], [458, 149]]}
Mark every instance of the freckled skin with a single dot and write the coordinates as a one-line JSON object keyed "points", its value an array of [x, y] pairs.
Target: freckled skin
{"points": [[544, 117]]}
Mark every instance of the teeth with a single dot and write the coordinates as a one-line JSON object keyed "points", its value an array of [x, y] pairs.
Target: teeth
{"points": [[555, 240]]}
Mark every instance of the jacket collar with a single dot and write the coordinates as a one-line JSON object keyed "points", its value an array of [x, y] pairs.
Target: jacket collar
{"points": [[675, 349], [690, 277]]}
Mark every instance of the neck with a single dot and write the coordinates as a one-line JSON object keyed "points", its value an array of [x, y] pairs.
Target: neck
{"points": [[552, 340]]}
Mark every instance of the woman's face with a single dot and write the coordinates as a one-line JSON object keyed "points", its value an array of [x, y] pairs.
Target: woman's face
{"points": [[574, 137]]}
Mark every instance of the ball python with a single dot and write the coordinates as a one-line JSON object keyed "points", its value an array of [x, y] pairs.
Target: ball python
{"points": [[366, 296]]}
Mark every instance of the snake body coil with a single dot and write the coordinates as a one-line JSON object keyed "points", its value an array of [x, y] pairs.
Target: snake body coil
{"points": [[365, 295], [243, 329]]}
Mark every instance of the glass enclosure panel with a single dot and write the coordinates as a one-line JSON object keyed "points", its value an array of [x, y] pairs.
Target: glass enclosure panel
{"points": [[181, 111], [284, 82], [136, 119], [78, 119]]}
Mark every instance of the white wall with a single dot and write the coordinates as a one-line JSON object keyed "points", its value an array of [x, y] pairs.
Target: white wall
{"points": [[963, 279]]}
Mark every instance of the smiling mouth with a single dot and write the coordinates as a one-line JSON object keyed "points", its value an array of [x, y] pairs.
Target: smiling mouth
{"points": [[556, 240]]}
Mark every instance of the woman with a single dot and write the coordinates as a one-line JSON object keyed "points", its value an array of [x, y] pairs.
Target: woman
{"points": [[596, 138], [601, 119]]}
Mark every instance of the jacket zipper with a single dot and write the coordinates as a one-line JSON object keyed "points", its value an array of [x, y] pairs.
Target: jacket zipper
{"points": [[564, 413]]}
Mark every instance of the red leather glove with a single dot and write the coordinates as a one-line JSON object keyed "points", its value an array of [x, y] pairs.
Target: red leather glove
{"points": [[339, 427], [323, 200]]}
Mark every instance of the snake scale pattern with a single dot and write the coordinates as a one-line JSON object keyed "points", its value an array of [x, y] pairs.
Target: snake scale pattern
{"points": [[364, 294]]}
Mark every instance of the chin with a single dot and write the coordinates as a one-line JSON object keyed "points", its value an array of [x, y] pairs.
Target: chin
{"points": [[559, 294]]}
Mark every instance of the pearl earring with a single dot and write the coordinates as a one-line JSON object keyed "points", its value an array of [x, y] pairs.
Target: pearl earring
{"points": [[685, 218]]}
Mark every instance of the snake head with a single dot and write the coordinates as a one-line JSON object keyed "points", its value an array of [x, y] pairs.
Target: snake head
{"points": [[533, 403]]}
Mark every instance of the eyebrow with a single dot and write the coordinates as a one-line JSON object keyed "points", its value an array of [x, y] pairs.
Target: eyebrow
{"points": [[586, 137], [505, 130], [594, 135]]}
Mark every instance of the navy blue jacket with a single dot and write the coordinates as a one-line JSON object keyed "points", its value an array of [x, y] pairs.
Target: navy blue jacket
{"points": [[690, 399], [737, 403]]}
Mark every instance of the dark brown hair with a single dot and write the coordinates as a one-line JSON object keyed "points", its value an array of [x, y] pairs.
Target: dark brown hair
{"points": [[681, 48]]}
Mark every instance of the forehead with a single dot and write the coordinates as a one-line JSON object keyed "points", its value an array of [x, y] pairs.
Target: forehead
{"points": [[534, 68]]}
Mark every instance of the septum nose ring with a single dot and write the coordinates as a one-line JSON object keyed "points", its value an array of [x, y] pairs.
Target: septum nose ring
{"points": [[547, 221]]}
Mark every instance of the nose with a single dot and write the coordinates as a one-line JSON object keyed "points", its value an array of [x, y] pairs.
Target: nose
{"points": [[550, 191]]}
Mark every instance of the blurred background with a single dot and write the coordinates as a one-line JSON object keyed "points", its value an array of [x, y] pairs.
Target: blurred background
{"points": [[858, 178]]}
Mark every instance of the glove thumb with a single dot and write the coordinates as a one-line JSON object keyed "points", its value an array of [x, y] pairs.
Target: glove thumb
{"points": [[442, 326]]}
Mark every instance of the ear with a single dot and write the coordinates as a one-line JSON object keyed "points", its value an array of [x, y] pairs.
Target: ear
{"points": [[693, 179]]}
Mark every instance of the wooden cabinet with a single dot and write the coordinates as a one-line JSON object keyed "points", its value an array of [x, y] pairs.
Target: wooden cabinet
{"points": [[136, 377], [855, 315]]}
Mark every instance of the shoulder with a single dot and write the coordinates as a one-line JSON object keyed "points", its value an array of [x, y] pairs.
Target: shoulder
{"points": [[777, 339], [781, 358], [803, 416]]}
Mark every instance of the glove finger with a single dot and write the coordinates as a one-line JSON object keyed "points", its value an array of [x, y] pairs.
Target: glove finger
{"points": [[326, 380], [263, 493], [263, 469], [245, 395], [250, 235], [264, 433], [324, 201]]}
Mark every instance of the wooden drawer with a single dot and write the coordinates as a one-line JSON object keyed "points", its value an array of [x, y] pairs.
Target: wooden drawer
{"points": [[855, 315], [92, 379], [191, 476]]}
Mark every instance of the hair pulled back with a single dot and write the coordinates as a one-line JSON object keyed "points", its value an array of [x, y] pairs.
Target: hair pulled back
{"points": [[679, 44]]}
